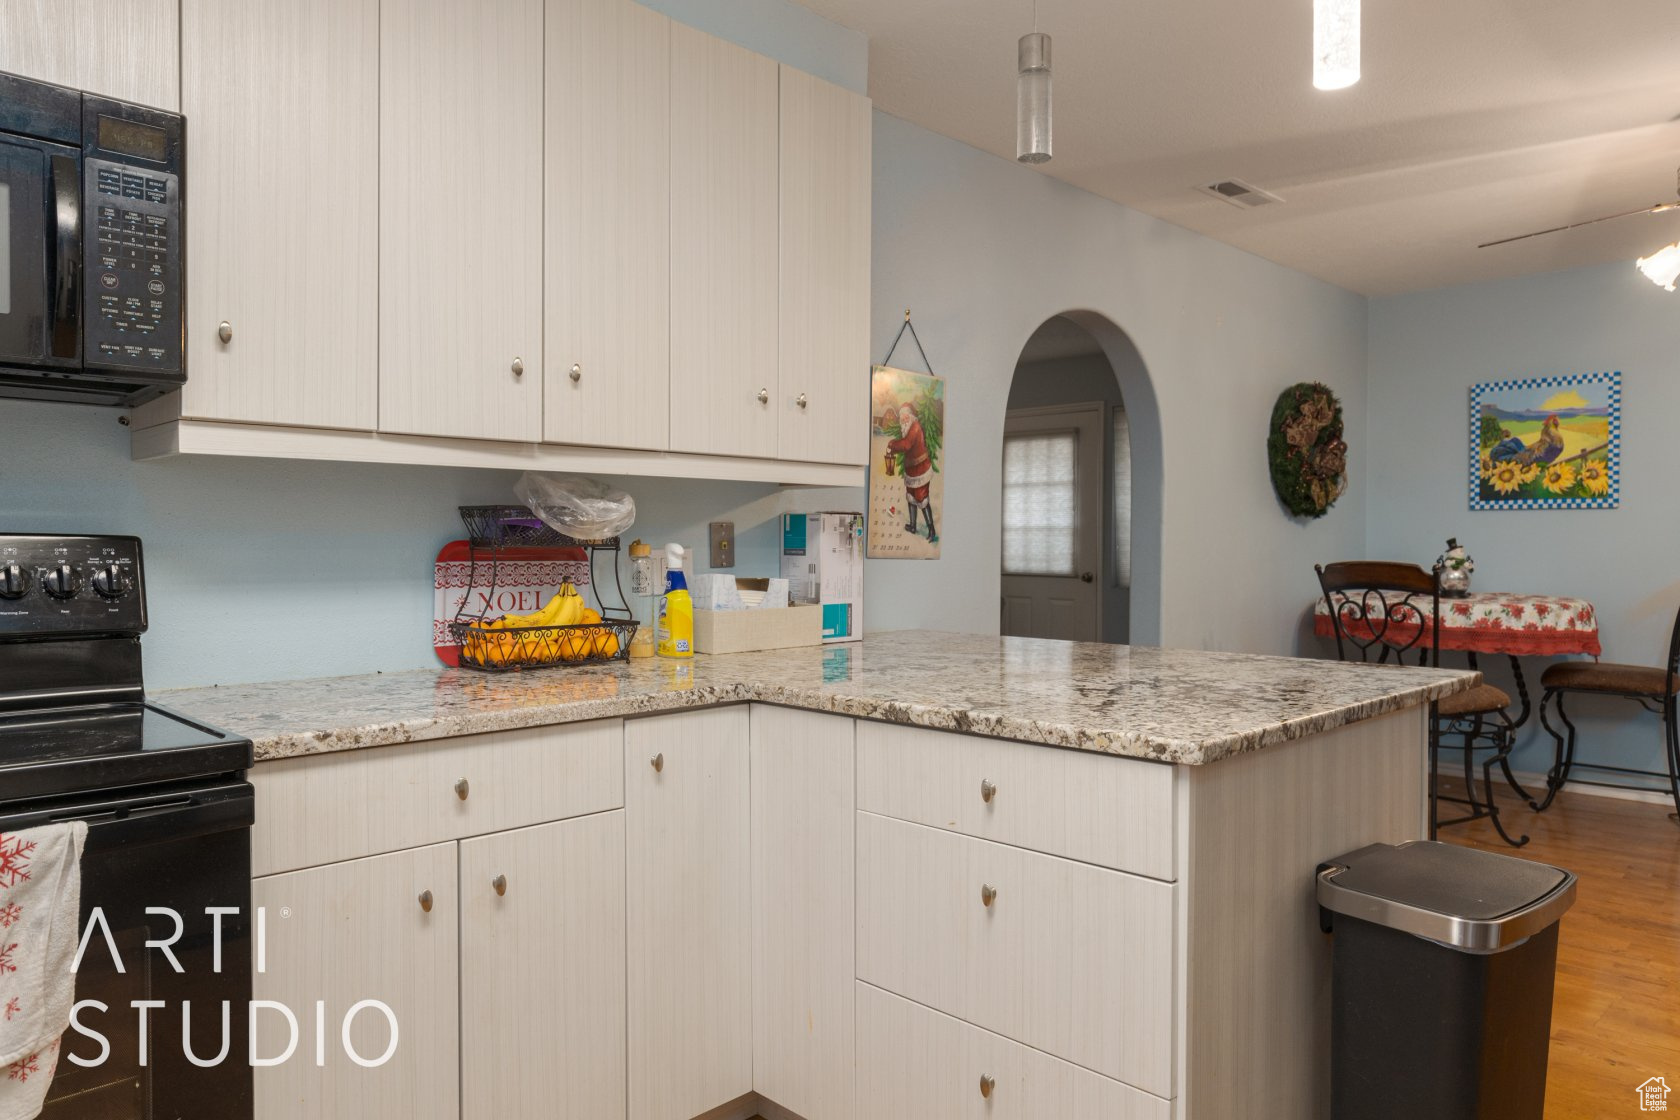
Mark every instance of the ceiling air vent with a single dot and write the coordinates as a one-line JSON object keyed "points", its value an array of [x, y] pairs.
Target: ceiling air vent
{"points": [[1238, 193]]}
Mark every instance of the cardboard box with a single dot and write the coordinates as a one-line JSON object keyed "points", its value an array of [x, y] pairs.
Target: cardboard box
{"points": [[822, 560], [764, 628]]}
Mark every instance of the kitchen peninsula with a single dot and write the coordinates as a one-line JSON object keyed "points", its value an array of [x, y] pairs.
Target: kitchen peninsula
{"points": [[910, 877]]}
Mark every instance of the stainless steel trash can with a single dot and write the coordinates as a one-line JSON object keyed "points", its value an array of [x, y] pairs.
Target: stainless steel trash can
{"points": [[1444, 959]]}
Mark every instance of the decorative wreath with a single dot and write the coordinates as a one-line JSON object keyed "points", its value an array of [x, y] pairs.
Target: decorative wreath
{"points": [[1307, 452]]}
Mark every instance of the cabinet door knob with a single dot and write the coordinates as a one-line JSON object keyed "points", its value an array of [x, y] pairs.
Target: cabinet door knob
{"points": [[658, 762], [462, 789], [764, 396], [519, 367], [987, 1084], [987, 790], [426, 901], [577, 372], [988, 894], [802, 400], [1086, 577], [500, 884], [225, 331]]}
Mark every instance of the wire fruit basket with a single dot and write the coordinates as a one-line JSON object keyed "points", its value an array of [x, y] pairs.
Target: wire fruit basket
{"points": [[488, 645]]}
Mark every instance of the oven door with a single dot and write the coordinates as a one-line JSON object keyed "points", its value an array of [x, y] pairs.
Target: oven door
{"points": [[40, 254], [178, 852]]}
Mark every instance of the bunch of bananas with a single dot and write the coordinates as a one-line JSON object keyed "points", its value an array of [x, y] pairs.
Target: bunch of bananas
{"points": [[533, 639]]}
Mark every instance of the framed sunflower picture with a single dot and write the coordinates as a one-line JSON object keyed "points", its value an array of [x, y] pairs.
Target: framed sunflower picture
{"points": [[1546, 443]]}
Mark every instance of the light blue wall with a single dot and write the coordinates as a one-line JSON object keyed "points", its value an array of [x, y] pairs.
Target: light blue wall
{"points": [[983, 250], [1427, 350], [785, 31]]}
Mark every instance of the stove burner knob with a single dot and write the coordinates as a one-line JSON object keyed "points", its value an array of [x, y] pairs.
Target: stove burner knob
{"points": [[14, 581], [62, 582], [110, 583]]}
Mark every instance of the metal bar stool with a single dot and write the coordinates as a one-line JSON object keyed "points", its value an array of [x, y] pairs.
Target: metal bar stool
{"points": [[1655, 690], [1377, 608]]}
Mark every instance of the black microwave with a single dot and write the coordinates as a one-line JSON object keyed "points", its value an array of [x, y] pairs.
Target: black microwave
{"points": [[91, 258]]}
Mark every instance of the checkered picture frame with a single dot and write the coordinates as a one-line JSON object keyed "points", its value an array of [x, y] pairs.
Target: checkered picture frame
{"points": [[1613, 453]]}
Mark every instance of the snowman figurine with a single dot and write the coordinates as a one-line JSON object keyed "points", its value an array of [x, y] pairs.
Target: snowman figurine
{"points": [[1456, 566]]}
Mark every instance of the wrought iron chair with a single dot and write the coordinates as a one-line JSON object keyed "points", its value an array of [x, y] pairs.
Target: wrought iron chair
{"points": [[1384, 610], [1654, 688]]}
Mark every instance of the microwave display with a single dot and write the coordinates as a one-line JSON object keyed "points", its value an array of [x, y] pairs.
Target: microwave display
{"points": [[131, 138]]}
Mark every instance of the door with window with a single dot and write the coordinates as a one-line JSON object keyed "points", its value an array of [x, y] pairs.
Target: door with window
{"points": [[1053, 522]]}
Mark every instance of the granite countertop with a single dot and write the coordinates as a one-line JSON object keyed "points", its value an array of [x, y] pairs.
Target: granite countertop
{"points": [[1181, 706]]}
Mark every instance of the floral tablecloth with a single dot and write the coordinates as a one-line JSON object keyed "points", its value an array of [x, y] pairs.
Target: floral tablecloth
{"points": [[1490, 622]]}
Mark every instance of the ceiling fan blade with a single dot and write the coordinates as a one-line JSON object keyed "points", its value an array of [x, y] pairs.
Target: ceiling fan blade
{"points": [[1657, 209]]}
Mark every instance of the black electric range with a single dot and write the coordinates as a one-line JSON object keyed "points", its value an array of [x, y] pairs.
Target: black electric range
{"points": [[169, 815]]}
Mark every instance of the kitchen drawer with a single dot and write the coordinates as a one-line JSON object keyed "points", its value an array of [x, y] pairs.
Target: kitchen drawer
{"points": [[324, 808], [1096, 808], [917, 1063], [1068, 958]]}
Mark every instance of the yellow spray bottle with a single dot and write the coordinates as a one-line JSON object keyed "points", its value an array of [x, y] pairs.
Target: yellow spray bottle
{"points": [[675, 630]]}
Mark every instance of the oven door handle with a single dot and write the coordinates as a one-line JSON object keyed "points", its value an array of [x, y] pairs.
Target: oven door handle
{"points": [[148, 819], [66, 256]]}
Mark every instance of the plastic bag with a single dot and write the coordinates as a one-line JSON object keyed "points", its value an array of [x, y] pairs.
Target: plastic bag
{"points": [[579, 507]]}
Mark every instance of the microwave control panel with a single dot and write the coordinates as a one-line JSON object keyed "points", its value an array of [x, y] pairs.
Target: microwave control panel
{"points": [[133, 249]]}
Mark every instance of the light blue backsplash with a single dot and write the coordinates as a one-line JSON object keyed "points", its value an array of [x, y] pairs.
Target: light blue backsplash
{"points": [[1426, 351]]}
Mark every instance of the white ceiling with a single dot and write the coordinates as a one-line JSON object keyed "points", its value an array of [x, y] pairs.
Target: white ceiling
{"points": [[1475, 119]]}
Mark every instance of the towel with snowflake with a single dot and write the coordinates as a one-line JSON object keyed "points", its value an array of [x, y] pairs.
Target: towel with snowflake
{"points": [[40, 902]]}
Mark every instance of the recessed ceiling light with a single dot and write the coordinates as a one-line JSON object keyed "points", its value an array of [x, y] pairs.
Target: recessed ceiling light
{"points": [[1335, 43]]}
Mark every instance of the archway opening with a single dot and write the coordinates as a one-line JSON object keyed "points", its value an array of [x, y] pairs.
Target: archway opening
{"points": [[1081, 486]]}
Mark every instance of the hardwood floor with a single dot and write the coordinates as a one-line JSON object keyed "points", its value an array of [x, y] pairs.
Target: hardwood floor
{"points": [[1616, 1012]]}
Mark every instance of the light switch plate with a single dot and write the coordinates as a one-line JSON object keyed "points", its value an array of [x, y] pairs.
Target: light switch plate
{"points": [[723, 544]]}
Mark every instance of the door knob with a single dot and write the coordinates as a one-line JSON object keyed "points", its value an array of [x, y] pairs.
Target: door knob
{"points": [[987, 791], [987, 1084], [988, 895], [500, 884], [658, 763], [462, 789], [577, 372], [1086, 577], [225, 331], [426, 901]]}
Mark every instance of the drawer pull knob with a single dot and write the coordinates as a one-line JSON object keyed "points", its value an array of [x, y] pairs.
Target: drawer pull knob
{"points": [[500, 883], [802, 401], [462, 789], [225, 332], [658, 763], [764, 396], [426, 901], [988, 894], [519, 367], [987, 791], [577, 372], [987, 1084]]}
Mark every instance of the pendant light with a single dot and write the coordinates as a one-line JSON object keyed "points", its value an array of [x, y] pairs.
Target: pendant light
{"points": [[1662, 267], [1032, 97], [1335, 43]]}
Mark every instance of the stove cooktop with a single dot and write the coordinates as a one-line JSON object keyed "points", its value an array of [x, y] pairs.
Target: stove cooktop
{"points": [[104, 747]]}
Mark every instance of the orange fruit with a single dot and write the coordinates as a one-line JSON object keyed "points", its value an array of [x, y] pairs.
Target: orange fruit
{"points": [[590, 615], [605, 643], [574, 646]]}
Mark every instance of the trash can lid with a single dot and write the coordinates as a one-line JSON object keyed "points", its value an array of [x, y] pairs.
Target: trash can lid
{"points": [[1477, 901]]}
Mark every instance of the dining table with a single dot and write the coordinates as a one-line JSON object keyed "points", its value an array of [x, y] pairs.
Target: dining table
{"points": [[1500, 623]]}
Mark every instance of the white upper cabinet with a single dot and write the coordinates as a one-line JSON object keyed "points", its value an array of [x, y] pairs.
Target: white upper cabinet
{"points": [[460, 218], [126, 49], [607, 200], [282, 103], [723, 247], [825, 252]]}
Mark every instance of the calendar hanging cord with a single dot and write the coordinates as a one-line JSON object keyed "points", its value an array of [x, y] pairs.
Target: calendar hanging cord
{"points": [[893, 349]]}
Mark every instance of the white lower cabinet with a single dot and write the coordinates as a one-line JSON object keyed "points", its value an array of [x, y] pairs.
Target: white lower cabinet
{"points": [[917, 1064], [688, 889], [803, 888], [382, 928], [1068, 958], [542, 971]]}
